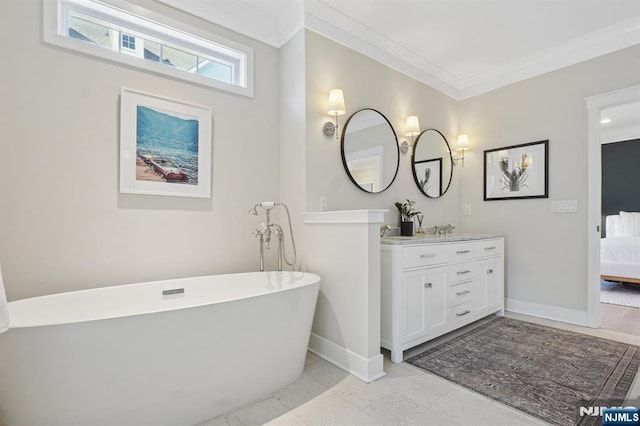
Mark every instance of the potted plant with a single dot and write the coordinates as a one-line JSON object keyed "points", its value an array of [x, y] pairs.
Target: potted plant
{"points": [[407, 212]]}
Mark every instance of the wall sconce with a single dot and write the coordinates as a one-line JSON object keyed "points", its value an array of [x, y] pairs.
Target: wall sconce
{"points": [[336, 108], [462, 145], [412, 129]]}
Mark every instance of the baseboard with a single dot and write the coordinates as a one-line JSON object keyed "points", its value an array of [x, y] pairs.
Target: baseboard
{"points": [[571, 316], [365, 369]]}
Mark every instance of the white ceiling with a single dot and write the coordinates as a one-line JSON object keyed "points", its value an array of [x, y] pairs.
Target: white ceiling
{"points": [[460, 47], [623, 123]]}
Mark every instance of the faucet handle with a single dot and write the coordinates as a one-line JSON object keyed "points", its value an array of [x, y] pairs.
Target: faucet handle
{"points": [[384, 230]]}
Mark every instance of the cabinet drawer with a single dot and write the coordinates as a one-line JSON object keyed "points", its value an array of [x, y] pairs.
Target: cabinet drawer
{"points": [[460, 272], [424, 255], [461, 252], [460, 312], [459, 294], [489, 248]]}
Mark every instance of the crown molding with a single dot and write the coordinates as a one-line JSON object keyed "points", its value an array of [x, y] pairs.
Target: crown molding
{"points": [[607, 40], [251, 21], [332, 24], [247, 19]]}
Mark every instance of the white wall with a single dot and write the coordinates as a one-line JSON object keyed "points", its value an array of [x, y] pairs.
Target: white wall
{"points": [[63, 223], [546, 254]]}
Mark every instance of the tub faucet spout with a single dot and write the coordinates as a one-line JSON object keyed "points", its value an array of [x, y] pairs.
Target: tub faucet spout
{"points": [[266, 229]]}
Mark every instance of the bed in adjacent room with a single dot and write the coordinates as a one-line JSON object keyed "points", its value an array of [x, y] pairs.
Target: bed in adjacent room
{"points": [[620, 249]]}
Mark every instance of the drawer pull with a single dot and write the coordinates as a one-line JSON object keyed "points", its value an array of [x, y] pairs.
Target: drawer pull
{"points": [[463, 251], [173, 291], [489, 271], [463, 272], [428, 255], [462, 293], [490, 248], [460, 314], [428, 285]]}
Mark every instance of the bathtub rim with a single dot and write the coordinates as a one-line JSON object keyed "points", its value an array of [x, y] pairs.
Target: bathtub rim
{"points": [[310, 280]]}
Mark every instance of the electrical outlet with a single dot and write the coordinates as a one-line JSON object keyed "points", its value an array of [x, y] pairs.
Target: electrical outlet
{"points": [[467, 209], [324, 203]]}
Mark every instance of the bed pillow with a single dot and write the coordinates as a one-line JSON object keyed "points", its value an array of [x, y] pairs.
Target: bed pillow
{"points": [[630, 222], [614, 226]]}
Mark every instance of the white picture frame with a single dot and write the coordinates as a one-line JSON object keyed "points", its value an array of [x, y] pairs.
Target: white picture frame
{"points": [[165, 146]]}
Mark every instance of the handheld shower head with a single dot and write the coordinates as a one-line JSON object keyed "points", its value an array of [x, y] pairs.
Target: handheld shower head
{"points": [[268, 204]]}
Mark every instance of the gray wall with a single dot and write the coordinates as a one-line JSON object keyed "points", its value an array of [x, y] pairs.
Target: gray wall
{"points": [[369, 84], [63, 223], [546, 254], [620, 177], [64, 226]]}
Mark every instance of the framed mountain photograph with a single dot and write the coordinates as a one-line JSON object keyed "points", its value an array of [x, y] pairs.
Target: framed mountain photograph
{"points": [[165, 146]]}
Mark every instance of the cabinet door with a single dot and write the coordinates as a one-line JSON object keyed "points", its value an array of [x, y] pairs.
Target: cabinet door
{"points": [[488, 283], [495, 281], [436, 298], [481, 286], [424, 295], [414, 286]]}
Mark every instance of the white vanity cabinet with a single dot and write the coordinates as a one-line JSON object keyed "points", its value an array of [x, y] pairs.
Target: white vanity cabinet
{"points": [[431, 286]]}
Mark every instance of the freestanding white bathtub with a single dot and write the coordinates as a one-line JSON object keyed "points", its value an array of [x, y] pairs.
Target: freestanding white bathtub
{"points": [[161, 353]]}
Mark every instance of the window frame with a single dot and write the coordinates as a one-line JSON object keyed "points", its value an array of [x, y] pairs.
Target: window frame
{"points": [[152, 26]]}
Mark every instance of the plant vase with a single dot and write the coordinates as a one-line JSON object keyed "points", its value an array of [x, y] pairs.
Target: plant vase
{"points": [[406, 228]]}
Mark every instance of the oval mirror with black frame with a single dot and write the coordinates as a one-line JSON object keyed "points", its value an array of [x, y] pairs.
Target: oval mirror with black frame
{"points": [[432, 163], [369, 149]]}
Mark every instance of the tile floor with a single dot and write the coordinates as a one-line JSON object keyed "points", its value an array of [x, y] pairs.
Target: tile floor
{"points": [[326, 395]]}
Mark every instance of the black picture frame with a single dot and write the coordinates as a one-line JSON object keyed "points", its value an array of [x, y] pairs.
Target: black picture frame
{"points": [[430, 184], [517, 172]]}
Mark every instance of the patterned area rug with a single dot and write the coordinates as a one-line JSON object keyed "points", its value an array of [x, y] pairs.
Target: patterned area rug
{"points": [[543, 371], [620, 294]]}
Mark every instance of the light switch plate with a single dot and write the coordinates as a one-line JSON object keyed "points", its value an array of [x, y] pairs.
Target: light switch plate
{"points": [[564, 206]]}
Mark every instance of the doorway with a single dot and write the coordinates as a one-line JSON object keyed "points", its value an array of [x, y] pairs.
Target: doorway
{"points": [[596, 105]]}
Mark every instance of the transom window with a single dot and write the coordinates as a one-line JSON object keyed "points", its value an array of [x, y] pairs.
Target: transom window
{"points": [[151, 42]]}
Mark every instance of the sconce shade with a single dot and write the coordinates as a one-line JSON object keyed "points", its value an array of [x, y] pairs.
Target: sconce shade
{"points": [[463, 143], [413, 126], [336, 103]]}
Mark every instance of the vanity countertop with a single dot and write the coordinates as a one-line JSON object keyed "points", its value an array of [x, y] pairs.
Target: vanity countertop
{"points": [[431, 238]]}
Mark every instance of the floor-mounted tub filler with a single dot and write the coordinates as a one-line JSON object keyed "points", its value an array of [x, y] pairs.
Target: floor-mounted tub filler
{"points": [[161, 353]]}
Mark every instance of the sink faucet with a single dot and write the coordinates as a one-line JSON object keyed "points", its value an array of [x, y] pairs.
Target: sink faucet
{"points": [[384, 231], [445, 229]]}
